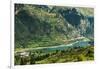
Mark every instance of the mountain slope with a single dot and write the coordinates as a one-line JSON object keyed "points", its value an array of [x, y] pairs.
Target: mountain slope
{"points": [[40, 25]]}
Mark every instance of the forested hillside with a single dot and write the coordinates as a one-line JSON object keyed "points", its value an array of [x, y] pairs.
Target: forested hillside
{"points": [[40, 25]]}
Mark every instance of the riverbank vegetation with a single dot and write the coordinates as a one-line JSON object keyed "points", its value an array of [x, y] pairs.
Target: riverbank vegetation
{"points": [[74, 54]]}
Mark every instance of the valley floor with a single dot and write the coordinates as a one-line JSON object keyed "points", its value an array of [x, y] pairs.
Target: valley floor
{"points": [[71, 55]]}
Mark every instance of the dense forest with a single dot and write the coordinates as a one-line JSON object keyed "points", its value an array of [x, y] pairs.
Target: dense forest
{"points": [[42, 26]]}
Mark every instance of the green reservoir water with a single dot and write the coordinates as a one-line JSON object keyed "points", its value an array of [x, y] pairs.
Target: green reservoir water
{"points": [[76, 43]]}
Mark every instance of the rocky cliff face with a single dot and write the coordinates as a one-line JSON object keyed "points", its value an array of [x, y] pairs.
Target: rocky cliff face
{"points": [[34, 23]]}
